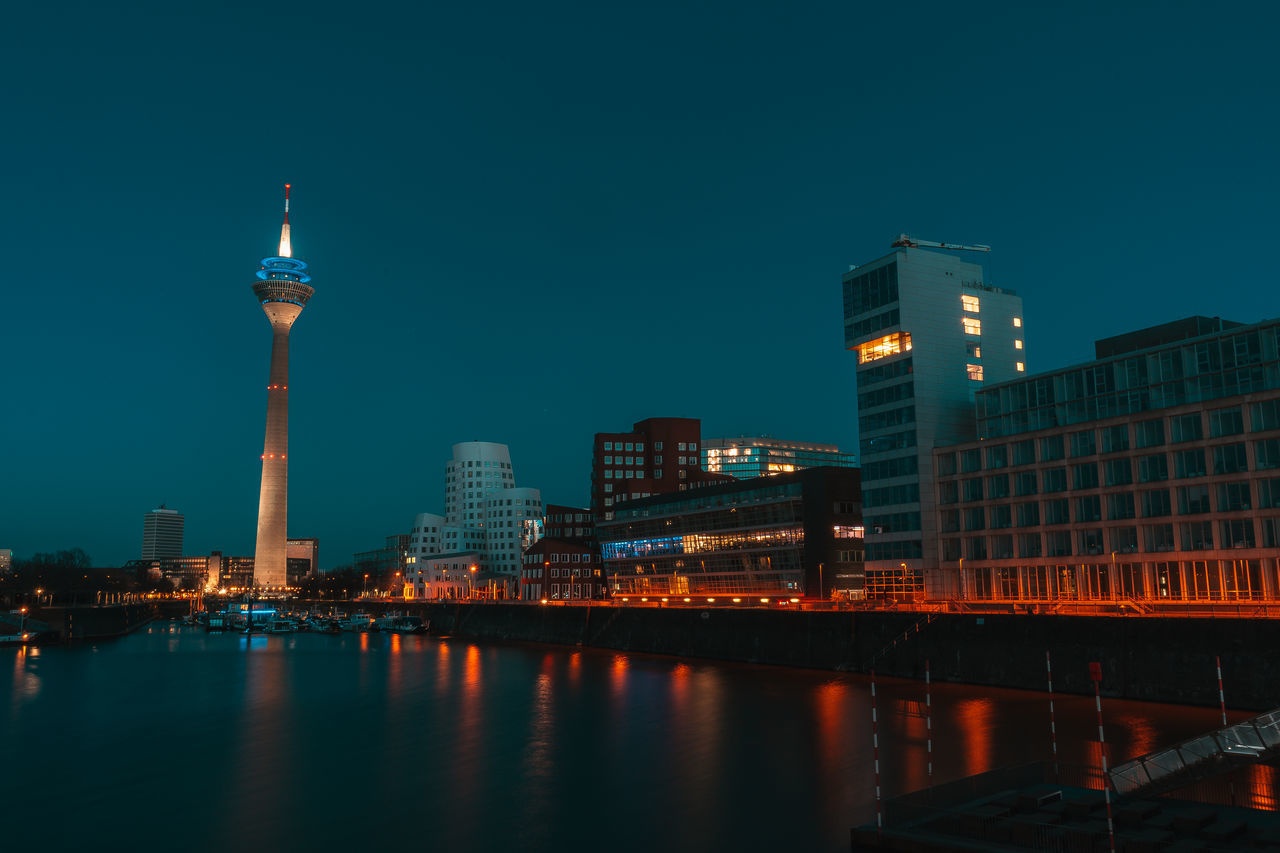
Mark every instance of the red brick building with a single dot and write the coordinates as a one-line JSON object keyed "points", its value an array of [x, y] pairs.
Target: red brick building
{"points": [[561, 570], [565, 564], [658, 456]]}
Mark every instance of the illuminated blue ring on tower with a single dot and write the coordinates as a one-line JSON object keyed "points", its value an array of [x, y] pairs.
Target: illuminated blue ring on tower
{"points": [[290, 269]]}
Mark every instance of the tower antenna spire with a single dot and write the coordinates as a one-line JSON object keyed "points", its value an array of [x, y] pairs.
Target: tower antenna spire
{"points": [[286, 249]]}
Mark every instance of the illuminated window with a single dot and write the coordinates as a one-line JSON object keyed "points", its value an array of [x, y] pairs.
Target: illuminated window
{"points": [[1017, 344], [972, 326], [1017, 322], [975, 371], [1021, 367], [973, 350], [969, 303], [889, 345]]}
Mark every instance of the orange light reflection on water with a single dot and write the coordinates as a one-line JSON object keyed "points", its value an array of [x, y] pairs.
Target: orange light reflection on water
{"points": [[973, 718]]}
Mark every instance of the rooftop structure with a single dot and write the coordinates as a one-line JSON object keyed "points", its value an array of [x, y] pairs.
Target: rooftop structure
{"points": [[745, 457]]}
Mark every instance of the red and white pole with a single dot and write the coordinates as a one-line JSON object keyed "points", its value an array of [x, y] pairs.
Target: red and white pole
{"points": [[875, 754], [1095, 672], [1053, 723], [928, 722], [1222, 701]]}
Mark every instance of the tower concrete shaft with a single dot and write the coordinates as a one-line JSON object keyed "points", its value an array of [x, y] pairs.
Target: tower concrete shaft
{"points": [[283, 291], [273, 500]]}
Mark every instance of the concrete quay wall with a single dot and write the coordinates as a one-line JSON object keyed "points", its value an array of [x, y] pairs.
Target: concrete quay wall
{"points": [[96, 623], [1144, 658]]}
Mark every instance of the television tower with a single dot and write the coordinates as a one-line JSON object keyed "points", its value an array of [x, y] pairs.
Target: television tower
{"points": [[283, 291]]}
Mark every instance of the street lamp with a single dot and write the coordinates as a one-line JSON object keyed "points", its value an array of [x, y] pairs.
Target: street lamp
{"points": [[365, 593], [470, 583]]}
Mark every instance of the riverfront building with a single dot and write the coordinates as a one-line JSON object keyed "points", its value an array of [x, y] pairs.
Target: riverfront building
{"points": [[489, 521], [162, 530], [928, 333], [747, 457], [1151, 474], [792, 535], [283, 292], [565, 564], [658, 456]]}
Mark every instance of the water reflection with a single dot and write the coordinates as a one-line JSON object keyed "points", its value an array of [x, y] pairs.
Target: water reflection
{"points": [[261, 741], [974, 720]]}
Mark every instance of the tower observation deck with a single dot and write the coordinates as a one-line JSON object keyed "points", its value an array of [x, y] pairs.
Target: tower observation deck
{"points": [[283, 292]]}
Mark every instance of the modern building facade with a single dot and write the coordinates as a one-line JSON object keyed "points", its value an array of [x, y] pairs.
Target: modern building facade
{"points": [[658, 456], [162, 531], [746, 457], [388, 566], [792, 535], [304, 549], [6, 560], [283, 292], [927, 333], [488, 522], [1149, 475]]}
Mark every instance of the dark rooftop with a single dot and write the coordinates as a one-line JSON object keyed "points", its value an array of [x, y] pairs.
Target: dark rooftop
{"points": [[1165, 333]]}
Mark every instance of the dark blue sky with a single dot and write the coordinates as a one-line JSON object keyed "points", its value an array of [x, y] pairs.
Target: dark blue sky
{"points": [[532, 222]]}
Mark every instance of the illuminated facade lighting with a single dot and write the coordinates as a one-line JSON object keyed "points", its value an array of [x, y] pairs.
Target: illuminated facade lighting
{"points": [[895, 344], [745, 457]]}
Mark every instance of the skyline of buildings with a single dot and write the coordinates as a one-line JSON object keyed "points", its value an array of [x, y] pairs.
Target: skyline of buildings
{"points": [[282, 291]]}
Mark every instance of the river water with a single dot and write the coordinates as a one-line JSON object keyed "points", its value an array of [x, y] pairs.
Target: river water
{"points": [[175, 738]]}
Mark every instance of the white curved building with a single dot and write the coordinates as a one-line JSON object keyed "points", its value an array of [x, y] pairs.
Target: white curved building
{"points": [[485, 515], [477, 468]]}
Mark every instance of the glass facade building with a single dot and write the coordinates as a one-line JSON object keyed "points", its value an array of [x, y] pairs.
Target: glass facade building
{"points": [[747, 457], [1149, 475], [791, 535]]}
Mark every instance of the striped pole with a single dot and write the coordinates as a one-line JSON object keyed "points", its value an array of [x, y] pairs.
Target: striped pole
{"points": [[1222, 701], [1095, 671], [875, 754], [1053, 725], [928, 721]]}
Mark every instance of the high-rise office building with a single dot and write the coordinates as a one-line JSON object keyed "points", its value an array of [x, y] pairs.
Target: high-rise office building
{"points": [[162, 530], [927, 332], [282, 290], [6, 560], [745, 457]]}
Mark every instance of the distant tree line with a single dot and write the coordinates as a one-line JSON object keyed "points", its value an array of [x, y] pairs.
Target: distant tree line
{"points": [[70, 572]]}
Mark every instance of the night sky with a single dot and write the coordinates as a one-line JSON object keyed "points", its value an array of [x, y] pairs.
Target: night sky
{"points": [[531, 222]]}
